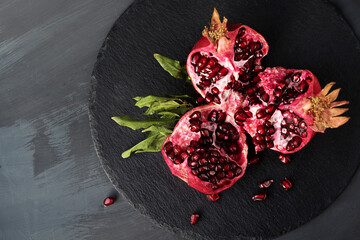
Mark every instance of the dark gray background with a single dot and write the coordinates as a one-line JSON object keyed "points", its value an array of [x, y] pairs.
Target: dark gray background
{"points": [[51, 182]]}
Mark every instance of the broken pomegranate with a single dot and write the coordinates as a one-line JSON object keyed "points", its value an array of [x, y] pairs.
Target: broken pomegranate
{"points": [[296, 109], [207, 149], [225, 53], [281, 109]]}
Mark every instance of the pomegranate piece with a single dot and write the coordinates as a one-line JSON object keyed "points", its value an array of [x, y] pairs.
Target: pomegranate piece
{"points": [[286, 184], [259, 196], [303, 108], [210, 159], [108, 201], [213, 197], [225, 51], [266, 184], [194, 218], [295, 110]]}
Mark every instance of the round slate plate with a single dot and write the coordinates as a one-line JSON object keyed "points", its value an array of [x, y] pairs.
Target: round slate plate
{"points": [[301, 34]]}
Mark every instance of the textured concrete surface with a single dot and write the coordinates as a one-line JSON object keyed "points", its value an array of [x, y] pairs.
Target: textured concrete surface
{"points": [[51, 182]]}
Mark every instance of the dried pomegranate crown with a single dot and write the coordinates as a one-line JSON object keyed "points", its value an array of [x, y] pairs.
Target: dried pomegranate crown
{"points": [[217, 28], [323, 109]]}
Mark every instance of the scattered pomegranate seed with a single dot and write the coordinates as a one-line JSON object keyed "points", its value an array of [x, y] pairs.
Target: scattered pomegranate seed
{"points": [[108, 201], [213, 197], [284, 158], [266, 183], [254, 160], [194, 218], [286, 184], [259, 196]]}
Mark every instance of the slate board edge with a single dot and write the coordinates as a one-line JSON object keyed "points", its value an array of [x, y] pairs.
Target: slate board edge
{"points": [[107, 170]]}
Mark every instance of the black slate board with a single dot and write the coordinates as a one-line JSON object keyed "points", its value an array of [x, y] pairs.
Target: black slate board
{"points": [[301, 34]]}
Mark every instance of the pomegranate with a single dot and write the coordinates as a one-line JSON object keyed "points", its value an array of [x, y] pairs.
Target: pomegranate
{"points": [[296, 108], [206, 149], [281, 109], [225, 54]]}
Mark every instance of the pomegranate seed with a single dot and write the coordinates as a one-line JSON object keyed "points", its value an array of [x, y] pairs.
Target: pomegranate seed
{"points": [[260, 113], [194, 172], [194, 128], [296, 141], [202, 62], [269, 144], [194, 218], [259, 197], [200, 100], [195, 115], [277, 92], [213, 197], [296, 77], [108, 201], [259, 54], [168, 147], [195, 58], [265, 97], [241, 32], [268, 138], [230, 174], [266, 184], [215, 90], [171, 155], [303, 86], [221, 116], [284, 158], [233, 148], [209, 97], [217, 99], [178, 160], [270, 130], [223, 72], [254, 160], [286, 184]]}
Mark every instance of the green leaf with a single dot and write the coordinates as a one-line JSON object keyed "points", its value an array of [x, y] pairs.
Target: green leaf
{"points": [[159, 129], [172, 66], [136, 124], [148, 100], [150, 144], [169, 115], [161, 107]]}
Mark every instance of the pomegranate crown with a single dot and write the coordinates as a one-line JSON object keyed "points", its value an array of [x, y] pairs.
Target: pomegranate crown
{"points": [[217, 28], [323, 109]]}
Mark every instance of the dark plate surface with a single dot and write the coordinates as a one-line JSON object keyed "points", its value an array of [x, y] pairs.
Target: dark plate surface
{"points": [[301, 34]]}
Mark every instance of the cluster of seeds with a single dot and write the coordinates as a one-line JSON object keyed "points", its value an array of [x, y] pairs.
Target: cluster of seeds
{"points": [[246, 48], [290, 87], [203, 156], [291, 126], [208, 69]]}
